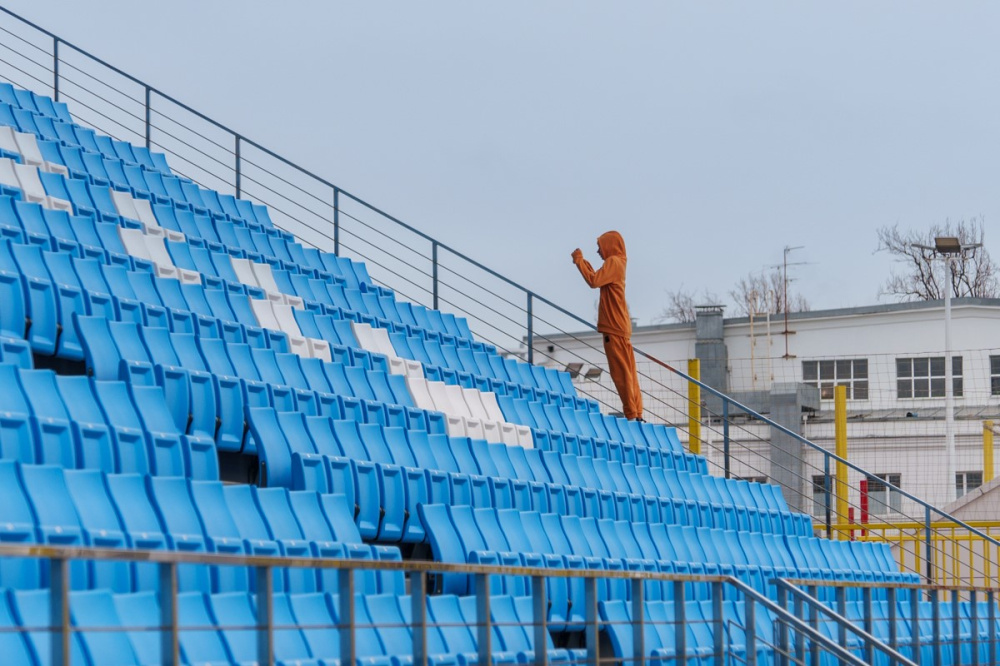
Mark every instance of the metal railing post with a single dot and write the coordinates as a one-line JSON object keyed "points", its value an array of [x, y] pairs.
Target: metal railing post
{"points": [[800, 641], [593, 632], [59, 610], [928, 545], [868, 623], [974, 616], [840, 445], [680, 624], [531, 329], [55, 68], [956, 629], [751, 631], [345, 591], [841, 596], [336, 221], [238, 161], [827, 482], [540, 620], [890, 597], [434, 272], [148, 111], [915, 624], [725, 437], [418, 606], [783, 646], [170, 653], [484, 626], [814, 624], [991, 621], [936, 620], [694, 407], [718, 624], [638, 622], [265, 616]]}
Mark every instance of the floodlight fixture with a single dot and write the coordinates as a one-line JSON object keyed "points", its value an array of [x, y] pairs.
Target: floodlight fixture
{"points": [[593, 372], [574, 369]]}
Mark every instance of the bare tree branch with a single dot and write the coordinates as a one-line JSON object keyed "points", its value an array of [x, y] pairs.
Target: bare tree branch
{"points": [[681, 304], [922, 278], [766, 293]]}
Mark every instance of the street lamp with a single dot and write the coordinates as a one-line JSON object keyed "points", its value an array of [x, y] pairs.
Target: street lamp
{"points": [[948, 247]]}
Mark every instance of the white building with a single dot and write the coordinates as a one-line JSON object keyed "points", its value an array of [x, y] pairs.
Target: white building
{"points": [[890, 357]]}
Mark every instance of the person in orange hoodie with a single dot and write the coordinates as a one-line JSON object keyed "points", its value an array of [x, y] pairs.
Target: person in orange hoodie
{"points": [[613, 319]]}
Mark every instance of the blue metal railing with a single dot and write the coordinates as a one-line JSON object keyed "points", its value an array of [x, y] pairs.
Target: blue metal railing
{"points": [[526, 303]]}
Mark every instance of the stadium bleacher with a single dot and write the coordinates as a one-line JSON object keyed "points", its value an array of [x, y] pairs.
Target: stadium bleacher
{"points": [[149, 326]]}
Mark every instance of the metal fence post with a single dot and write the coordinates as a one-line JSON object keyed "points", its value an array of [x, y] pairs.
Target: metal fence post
{"points": [[718, 624], [814, 623], [928, 547], [866, 603], [59, 610], [800, 640], [638, 622], [751, 631], [418, 605], [484, 628], [826, 497], [890, 596], [238, 161], [148, 111], [434, 272], [974, 613], [265, 616], [936, 619], [991, 615], [540, 620], [336, 221], [680, 623], [170, 653], [345, 590], [725, 436], [531, 330], [956, 629], [915, 624], [55, 68], [841, 595], [782, 641]]}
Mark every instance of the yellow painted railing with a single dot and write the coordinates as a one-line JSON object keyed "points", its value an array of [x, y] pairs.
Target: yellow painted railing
{"points": [[957, 556]]}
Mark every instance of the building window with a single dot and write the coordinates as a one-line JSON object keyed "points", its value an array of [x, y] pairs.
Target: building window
{"points": [[882, 500], [752, 479], [994, 375], [924, 377], [966, 481], [819, 494], [825, 375]]}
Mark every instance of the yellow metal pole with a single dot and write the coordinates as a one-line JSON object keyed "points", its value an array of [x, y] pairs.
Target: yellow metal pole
{"points": [[840, 437], [987, 451], [694, 407]]}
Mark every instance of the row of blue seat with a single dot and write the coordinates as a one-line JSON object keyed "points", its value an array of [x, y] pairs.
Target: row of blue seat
{"points": [[660, 637], [30, 101], [114, 426], [510, 537], [46, 504], [214, 629], [22, 221]]}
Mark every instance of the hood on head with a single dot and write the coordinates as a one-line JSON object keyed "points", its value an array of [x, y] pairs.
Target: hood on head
{"points": [[611, 244]]}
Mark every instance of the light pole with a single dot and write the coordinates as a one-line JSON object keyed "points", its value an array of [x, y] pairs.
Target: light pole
{"points": [[948, 247]]}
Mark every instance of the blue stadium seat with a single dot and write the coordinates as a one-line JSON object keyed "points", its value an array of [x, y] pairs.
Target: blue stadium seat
{"points": [[100, 526], [139, 522], [17, 438]]}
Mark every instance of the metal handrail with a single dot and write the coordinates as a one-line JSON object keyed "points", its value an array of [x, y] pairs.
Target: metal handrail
{"points": [[530, 295]]}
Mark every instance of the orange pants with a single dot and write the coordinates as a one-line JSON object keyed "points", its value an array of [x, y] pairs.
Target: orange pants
{"points": [[621, 365]]}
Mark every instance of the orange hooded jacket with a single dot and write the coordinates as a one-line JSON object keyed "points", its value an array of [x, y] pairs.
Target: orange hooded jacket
{"points": [[612, 312]]}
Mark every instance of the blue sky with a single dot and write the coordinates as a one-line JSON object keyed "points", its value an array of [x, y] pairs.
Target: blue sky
{"points": [[710, 134]]}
